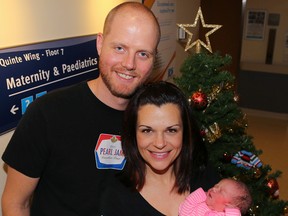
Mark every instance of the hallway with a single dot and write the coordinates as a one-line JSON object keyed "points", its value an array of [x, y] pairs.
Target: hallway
{"points": [[270, 134]]}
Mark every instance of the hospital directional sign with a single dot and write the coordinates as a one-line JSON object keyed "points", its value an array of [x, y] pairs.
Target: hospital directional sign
{"points": [[28, 72]]}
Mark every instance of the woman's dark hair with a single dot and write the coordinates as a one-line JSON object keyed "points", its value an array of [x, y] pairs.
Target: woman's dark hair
{"points": [[193, 153]]}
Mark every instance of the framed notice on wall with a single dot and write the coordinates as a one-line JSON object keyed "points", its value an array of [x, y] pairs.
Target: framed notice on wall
{"points": [[255, 24], [30, 71]]}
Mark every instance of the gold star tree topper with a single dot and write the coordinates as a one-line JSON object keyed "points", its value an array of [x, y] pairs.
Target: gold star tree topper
{"points": [[198, 42]]}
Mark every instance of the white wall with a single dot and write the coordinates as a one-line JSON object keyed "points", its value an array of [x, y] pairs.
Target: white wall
{"points": [[253, 52], [30, 21]]}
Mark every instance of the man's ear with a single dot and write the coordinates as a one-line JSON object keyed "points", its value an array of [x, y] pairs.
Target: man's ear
{"points": [[99, 42]]}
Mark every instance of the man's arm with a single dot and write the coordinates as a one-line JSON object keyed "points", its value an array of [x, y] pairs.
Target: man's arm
{"points": [[17, 193]]}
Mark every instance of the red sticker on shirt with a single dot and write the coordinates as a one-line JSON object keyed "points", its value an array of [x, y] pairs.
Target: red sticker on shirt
{"points": [[109, 153]]}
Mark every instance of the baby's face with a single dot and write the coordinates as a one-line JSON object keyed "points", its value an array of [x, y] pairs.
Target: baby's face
{"points": [[220, 196]]}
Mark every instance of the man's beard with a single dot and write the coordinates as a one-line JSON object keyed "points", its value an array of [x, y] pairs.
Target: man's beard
{"points": [[114, 91]]}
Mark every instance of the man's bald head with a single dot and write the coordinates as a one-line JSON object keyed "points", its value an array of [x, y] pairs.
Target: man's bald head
{"points": [[133, 8]]}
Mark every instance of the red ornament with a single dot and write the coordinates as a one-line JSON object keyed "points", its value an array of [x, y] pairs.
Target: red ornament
{"points": [[202, 132], [227, 157], [257, 173], [199, 100], [274, 188]]}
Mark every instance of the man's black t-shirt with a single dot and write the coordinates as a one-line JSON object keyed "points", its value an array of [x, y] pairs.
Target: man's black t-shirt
{"points": [[55, 141]]}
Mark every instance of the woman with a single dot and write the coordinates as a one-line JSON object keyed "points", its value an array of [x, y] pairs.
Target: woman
{"points": [[166, 158]]}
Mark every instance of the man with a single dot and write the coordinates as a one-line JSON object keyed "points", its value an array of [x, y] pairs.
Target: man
{"points": [[67, 144]]}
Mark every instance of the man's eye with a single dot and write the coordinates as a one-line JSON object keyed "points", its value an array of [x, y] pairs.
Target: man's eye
{"points": [[119, 48], [144, 54]]}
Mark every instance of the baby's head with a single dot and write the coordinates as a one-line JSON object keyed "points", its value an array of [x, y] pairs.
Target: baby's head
{"points": [[229, 193]]}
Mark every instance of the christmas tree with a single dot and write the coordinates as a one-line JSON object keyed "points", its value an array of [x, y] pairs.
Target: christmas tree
{"points": [[211, 92]]}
